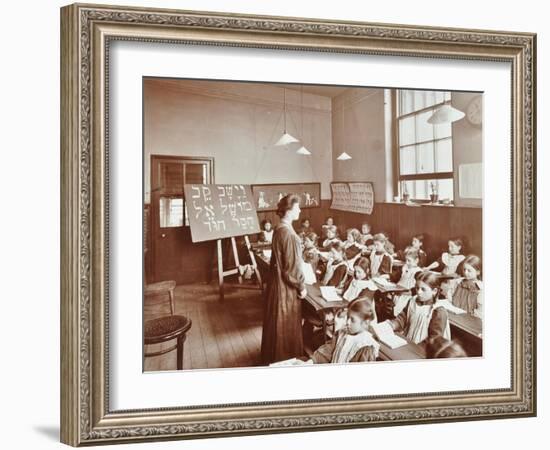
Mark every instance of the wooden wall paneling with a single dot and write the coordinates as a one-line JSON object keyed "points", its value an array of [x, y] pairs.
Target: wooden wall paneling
{"points": [[401, 222], [434, 223], [466, 223]]}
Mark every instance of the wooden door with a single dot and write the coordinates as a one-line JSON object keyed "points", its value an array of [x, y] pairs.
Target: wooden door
{"points": [[174, 256]]}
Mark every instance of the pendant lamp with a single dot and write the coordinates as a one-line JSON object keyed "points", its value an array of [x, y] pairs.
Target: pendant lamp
{"points": [[445, 114], [344, 156], [302, 150]]}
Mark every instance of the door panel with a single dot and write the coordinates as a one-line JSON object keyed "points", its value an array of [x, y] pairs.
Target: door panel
{"points": [[174, 256]]}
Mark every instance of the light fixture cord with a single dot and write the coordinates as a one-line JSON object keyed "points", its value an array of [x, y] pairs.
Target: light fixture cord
{"points": [[302, 109], [313, 172], [344, 123], [284, 109], [266, 149]]}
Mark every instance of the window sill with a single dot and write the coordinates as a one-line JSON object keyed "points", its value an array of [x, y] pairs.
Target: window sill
{"points": [[433, 205]]}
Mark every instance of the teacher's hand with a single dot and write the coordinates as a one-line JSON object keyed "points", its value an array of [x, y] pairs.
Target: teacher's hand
{"points": [[302, 293]]}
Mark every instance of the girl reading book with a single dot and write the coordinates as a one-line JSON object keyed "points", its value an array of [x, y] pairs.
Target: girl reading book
{"points": [[359, 285], [424, 316], [352, 343]]}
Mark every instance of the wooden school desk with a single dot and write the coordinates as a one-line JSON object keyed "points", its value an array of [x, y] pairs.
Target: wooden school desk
{"points": [[467, 330], [407, 352], [258, 246], [316, 300], [383, 300], [262, 260], [322, 307], [392, 288]]}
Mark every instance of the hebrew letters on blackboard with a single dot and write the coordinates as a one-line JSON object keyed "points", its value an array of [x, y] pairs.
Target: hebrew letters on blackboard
{"points": [[219, 211], [354, 196]]}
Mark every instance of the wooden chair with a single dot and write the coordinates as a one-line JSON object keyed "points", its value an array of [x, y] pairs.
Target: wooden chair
{"points": [[162, 288], [165, 329]]}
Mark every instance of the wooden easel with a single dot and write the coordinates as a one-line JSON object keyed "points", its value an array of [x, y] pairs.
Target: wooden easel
{"points": [[235, 270]]}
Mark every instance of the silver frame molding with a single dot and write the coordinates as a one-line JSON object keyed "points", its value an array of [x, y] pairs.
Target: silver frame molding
{"points": [[86, 31]]}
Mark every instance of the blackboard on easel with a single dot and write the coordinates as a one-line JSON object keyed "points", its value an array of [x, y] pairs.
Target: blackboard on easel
{"points": [[218, 211]]}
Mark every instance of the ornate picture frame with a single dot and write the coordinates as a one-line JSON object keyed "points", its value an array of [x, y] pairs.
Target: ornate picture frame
{"points": [[86, 34]]}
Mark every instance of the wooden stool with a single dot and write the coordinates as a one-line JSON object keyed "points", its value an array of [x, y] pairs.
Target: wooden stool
{"points": [[165, 329], [162, 287]]}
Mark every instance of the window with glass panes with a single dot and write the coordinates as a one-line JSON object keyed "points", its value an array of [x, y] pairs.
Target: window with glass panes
{"points": [[173, 175], [425, 151]]}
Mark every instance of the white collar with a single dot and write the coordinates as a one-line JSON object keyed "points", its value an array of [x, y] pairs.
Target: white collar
{"points": [[363, 339]]}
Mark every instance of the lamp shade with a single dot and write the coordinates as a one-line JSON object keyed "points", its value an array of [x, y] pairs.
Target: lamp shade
{"points": [[303, 151], [286, 139], [445, 114], [343, 157]]}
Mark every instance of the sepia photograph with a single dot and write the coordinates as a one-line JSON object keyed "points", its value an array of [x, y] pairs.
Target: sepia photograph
{"points": [[301, 224], [279, 224]]}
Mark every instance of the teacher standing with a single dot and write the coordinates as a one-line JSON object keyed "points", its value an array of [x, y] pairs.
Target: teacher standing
{"points": [[282, 330]]}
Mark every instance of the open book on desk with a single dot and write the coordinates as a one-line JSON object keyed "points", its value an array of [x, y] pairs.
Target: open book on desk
{"points": [[330, 294], [387, 286], [385, 333]]}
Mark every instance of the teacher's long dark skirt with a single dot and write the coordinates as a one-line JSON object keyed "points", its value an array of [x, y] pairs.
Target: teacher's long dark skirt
{"points": [[282, 327]]}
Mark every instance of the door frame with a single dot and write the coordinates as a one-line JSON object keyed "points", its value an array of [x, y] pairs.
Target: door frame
{"points": [[154, 206]]}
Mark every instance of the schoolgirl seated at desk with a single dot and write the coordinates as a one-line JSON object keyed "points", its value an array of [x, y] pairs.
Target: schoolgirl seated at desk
{"points": [[416, 245], [359, 284], [336, 267], [266, 233], [310, 240], [331, 238], [310, 253], [389, 247], [366, 236], [424, 316], [327, 227], [408, 280], [449, 261], [353, 342], [468, 293], [305, 228], [380, 259], [352, 246]]}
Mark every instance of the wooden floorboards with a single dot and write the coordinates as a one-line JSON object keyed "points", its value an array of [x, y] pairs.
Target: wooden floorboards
{"points": [[223, 334]]}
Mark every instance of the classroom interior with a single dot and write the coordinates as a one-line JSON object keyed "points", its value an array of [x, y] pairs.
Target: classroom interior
{"points": [[199, 131]]}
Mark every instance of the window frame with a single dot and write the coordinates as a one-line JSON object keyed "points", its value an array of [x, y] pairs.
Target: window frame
{"points": [[183, 159], [396, 160]]}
